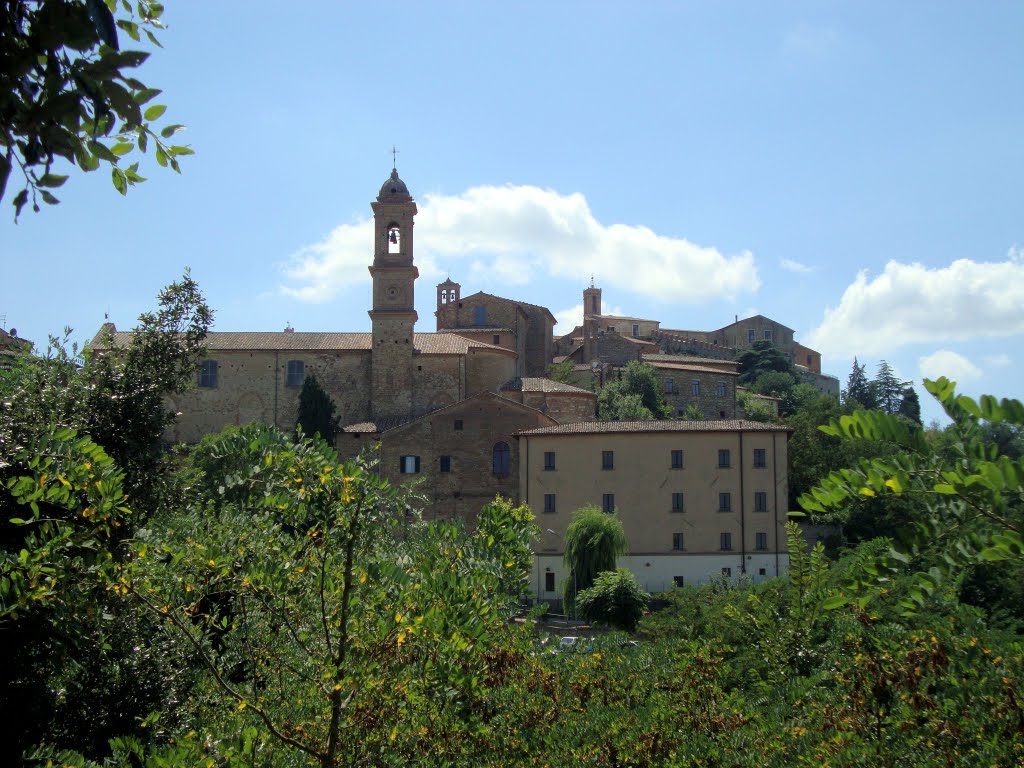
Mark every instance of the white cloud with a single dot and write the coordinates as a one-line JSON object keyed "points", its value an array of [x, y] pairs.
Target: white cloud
{"points": [[999, 360], [910, 303], [567, 319], [790, 265], [512, 234], [953, 366]]}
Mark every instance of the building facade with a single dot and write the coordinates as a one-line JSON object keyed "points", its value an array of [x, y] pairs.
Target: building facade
{"points": [[696, 498]]}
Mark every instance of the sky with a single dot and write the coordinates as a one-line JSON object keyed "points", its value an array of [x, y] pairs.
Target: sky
{"points": [[851, 170]]}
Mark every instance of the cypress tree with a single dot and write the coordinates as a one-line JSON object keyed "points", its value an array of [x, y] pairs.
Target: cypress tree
{"points": [[317, 414]]}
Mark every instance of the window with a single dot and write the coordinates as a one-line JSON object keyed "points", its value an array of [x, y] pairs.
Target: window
{"points": [[695, 386], [762, 571], [607, 459], [760, 458], [549, 461], [677, 502], [760, 501], [724, 460], [593, 305], [501, 459], [810, 360], [409, 465], [636, 329], [458, 425], [768, 334], [611, 329], [727, 572], [720, 389], [670, 385], [208, 373], [549, 503], [679, 581], [445, 464], [296, 373], [480, 315], [608, 503], [725, 542], [677, 459], [549, 582], [497, 340], [750, 335], [761, 540], [725, 502], [678, 541]]}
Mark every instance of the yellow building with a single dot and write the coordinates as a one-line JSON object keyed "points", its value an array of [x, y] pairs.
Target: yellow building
{"points": [[696, 498]]}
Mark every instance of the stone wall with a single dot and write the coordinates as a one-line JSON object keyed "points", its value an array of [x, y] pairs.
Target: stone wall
{"points": [[466, 433], [252, 385]]}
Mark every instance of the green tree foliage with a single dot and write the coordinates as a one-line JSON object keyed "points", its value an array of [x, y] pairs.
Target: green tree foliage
{"points": [[68, 92], [910, 405], [635, 396], [753, 408], [594, 541], [858, 392], [317, 414], [615, 600], [887, 391], [693, 412], [971, 506], [331, 622], [760, 358], [80, 443], [562, 371]]}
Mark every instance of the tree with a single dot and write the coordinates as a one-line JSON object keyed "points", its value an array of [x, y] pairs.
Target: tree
{"points": [[80, 446], [886, 390], [562, 371], [693, 412], [330, 621], [910, 405], [615, 599], [760, 358], [614, 404], [317, 414], [858, 391], [594, 541], [68, 92], [971, 506], [635, 396]]}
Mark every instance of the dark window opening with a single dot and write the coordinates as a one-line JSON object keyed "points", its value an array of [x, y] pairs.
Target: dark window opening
{"points": [[501, 459]]}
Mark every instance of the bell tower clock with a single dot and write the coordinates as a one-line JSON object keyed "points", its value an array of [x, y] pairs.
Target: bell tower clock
{"points": [[393, 316]]}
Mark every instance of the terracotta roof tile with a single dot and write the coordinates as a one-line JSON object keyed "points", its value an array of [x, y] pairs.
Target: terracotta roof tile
{"points": [[299, 341], [604, 427], [539, 384]]}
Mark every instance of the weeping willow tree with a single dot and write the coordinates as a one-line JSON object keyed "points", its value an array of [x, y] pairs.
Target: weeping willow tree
{"points": [[594, 541]]}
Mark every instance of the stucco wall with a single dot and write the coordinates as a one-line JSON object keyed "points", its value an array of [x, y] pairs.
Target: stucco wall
{"points": [[643, 483]]}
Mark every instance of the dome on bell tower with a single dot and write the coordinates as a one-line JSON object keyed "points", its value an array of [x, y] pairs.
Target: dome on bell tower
{"points": [[394, 189]]}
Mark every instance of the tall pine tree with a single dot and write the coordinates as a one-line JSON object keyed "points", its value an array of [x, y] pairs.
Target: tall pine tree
{"points": [[887, 390], [858, 390]]}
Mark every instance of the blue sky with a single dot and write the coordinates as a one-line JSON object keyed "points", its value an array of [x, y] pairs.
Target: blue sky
{"points": [[852, 170]]}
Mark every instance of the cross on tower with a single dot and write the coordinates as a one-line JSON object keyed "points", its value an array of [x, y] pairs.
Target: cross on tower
{"points": [[394, 153]]}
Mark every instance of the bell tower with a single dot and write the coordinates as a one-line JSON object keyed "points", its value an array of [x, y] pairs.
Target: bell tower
{"points": [[393, 316]]}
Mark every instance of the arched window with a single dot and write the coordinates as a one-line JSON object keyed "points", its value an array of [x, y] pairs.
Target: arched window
{"points": [[501, 459], [394, 239]]}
